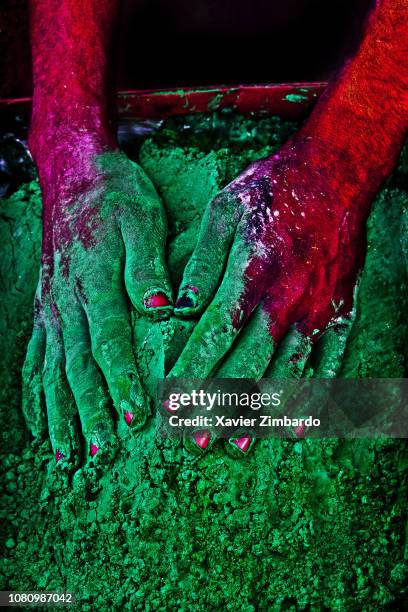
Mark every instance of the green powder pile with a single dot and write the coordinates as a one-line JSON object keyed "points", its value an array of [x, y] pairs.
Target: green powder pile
{"points": [[305, 525]]}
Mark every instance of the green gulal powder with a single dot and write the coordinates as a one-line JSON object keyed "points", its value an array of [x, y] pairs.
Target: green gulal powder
{"points": [[311, 524]]}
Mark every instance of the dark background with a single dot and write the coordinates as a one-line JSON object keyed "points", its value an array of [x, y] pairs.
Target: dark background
{"points": [[167, 43]]}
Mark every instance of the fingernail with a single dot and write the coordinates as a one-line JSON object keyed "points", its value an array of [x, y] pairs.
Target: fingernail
{"points": [[242, 443], [167, 407], [185, 302], [156, 300], [300, 430], [202, 438], [58, 455], [188, 298], [128, 416], [93, 449]]}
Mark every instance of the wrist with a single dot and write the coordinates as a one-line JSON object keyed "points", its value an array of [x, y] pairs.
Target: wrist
{"points": [[71, 116], [78, 133], [66, 160]]}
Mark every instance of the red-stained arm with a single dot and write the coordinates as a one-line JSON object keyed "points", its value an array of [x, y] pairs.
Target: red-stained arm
{"points": [[361, 120], [72, 48], [280, 248]]}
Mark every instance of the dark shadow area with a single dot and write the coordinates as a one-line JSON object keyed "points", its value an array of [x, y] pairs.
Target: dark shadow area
{"points": [[170, 44]]}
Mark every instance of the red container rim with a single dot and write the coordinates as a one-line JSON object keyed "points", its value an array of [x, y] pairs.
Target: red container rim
{"points": [[289, 100]]}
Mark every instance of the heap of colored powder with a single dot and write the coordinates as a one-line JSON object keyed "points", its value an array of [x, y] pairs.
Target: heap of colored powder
{"points": [[297, 525]]}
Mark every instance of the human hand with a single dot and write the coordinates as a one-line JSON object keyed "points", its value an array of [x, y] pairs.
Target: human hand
{"points": [[103, 242], [276, 263]]}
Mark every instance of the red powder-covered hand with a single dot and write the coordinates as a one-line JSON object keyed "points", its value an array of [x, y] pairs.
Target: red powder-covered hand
{"points": [[104, 231], [285, 236], [280, 248]]}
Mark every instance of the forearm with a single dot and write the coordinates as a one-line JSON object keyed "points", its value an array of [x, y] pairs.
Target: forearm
{"points": [[72, 48], [358, 127]]}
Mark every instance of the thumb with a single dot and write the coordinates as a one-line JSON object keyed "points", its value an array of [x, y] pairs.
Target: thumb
{"points": [[146, 276]]}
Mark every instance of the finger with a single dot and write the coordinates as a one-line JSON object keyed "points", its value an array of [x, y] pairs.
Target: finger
{"points": [[204, 269], [249, 358], [253, 350], [252, 353], [291, 356], [326, 360], [180, 249], [207, 431], [340, 317], [61, 409], [88, 387], [199, 441], [146, 276], [330, 348], [111, 343], [241, 443], [221, 322], [32, 387], [200, 438], [294, 352]]}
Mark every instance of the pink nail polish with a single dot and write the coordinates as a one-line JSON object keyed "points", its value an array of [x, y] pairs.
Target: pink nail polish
{"points": [[202, 438], [128, 416], [58, 455], [93, 449], [168, 408], [157, 300], [300, 430], [243, 443]]}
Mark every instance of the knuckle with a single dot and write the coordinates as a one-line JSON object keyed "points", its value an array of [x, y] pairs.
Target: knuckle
{"points": [[106, 350], [142, 277]]}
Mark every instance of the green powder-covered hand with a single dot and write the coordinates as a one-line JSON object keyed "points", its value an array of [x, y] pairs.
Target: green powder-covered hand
{"points": [[103, 252]]}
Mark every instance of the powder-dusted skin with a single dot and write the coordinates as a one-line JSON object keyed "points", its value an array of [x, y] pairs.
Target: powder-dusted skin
{"points": [[305, 523], [287, 236], [135, 522], [102, 219], [288, 232]]}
